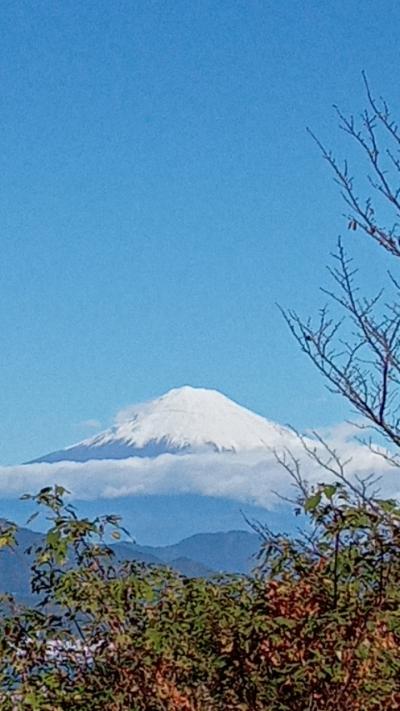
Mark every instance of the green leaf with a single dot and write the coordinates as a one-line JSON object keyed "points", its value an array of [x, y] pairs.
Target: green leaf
{"points": [[312, 502], [329, 490]]}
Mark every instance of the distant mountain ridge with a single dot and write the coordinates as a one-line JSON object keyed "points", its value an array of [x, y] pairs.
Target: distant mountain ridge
{"points": [[222, 552], [183, 420], [200, 555]]}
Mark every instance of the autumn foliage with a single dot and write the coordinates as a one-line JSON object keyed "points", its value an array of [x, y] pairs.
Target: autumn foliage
{"points": [[317, 627]]}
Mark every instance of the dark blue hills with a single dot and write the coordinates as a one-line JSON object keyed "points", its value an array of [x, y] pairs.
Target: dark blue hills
{"points": [[200, 555]]}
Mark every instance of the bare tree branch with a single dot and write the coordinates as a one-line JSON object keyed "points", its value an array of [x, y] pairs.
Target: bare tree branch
{"points": [[384, 164]]}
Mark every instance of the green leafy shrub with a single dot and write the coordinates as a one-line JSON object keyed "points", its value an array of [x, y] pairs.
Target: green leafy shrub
{"points": [[318, 626]]}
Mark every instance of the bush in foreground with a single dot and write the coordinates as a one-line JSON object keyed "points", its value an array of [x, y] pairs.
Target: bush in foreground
{"points": [[318, 626]]}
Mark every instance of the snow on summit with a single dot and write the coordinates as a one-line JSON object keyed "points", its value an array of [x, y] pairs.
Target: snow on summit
{"points": [[184, 419], [188, 443], [193, 417]]}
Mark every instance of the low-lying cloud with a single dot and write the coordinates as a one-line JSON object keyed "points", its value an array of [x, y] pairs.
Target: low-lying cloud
{"points": [[247, 477]]}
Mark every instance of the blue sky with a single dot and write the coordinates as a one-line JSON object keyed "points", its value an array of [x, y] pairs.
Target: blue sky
{"points": [[159, 194]]}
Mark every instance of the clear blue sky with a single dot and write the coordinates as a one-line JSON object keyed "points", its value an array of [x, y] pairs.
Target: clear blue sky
{"points": [[159, 194]]}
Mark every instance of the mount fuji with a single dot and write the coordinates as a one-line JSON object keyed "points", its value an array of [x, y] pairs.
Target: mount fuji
{"points": [[188, 462], [184, 420]]}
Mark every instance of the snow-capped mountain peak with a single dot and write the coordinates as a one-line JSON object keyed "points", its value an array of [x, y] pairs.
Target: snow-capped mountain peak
{"points": [[184, 419]]}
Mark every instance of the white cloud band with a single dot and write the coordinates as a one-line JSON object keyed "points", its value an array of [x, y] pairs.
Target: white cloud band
{"points": [[247, 477]]}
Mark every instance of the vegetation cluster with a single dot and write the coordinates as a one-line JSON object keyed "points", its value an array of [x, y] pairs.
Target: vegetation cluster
{"points": [[317, 627]]}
